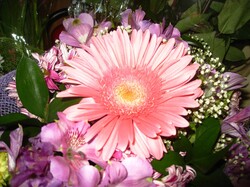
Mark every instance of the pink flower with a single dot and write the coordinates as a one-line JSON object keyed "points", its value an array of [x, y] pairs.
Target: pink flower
{"points": [[78, 30], [135, 19], [137, 86], [178, 177], [167, 33], [132, 171], [72, 167], [48, 64]]}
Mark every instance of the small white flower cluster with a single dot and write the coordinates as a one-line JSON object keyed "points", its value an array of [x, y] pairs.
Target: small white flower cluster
{"points": [[216, 98]]}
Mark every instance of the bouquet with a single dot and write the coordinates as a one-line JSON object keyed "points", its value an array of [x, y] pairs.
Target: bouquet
{"points": [[125, 104]]}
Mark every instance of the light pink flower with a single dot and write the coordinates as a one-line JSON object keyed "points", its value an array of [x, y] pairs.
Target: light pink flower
{"points": [[132, 171], [72, 167], [178, 177], [78, 30], [137, 86], [49, 63]]}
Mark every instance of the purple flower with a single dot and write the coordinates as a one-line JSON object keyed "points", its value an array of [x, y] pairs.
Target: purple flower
{"points": [[167, 33], [233, 124], [16, 138], [71, 164], [32, 166], [132, 171], [78, 30], [238, 163], [235, 81], [135, 19]]}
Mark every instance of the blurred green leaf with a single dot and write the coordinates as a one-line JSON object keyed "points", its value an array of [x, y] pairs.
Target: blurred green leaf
{"points": [[209, 161], [168, 160], [157, 6], [189, 22], [216, 6], [234, 54], [233, 16], [242, 33], [58, 105], [206, 137], [217, 178], [31, 87]]}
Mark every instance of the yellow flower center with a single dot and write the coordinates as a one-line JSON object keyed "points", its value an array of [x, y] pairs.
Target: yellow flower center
{"points": [[130, 94]]}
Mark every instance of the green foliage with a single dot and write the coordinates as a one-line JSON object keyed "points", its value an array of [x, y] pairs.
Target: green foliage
{"points": [[200, 155], [31, 87], [234, 15], [58, 105]]}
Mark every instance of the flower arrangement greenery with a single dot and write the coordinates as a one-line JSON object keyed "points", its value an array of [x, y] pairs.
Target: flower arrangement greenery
{"points": [[134, 93]]}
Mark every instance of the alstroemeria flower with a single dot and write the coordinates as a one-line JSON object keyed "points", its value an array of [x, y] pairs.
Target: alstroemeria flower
{"points": [[132, 171], [235, 81], [167, 33], [72, 167], [137, 86], [233, 124], [16, 140], [33, 166], [135, 19], [78, 30]]}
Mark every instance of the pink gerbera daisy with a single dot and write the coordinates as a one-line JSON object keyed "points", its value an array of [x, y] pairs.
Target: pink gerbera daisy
{"points": [[136, 86]]}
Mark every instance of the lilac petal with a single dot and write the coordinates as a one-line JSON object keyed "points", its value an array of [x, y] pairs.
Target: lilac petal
{"points": [[16, 138], [52, 134], [81, 32], [59, 168], [86, 19], [125, 17], [143, 170], [67, 23], [88, 176], [230, 129], [138, 171], [139, 15], [168, 32], [155, 29], [235, 81], [240, 116], [116, 172], [68, 39]]}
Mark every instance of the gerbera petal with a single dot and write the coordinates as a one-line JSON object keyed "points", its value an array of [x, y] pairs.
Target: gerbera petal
{"points": [[98, 126], [104, 134]]}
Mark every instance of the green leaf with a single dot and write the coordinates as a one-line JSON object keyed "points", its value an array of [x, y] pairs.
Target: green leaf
{"points": [[11, 121], [168, 160], [31, 87], [216, 178], [183, 145], [209, 161], [191, 21], [206, 137], [216, 6], [58, 105], [234, 54], [233, 16]]}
